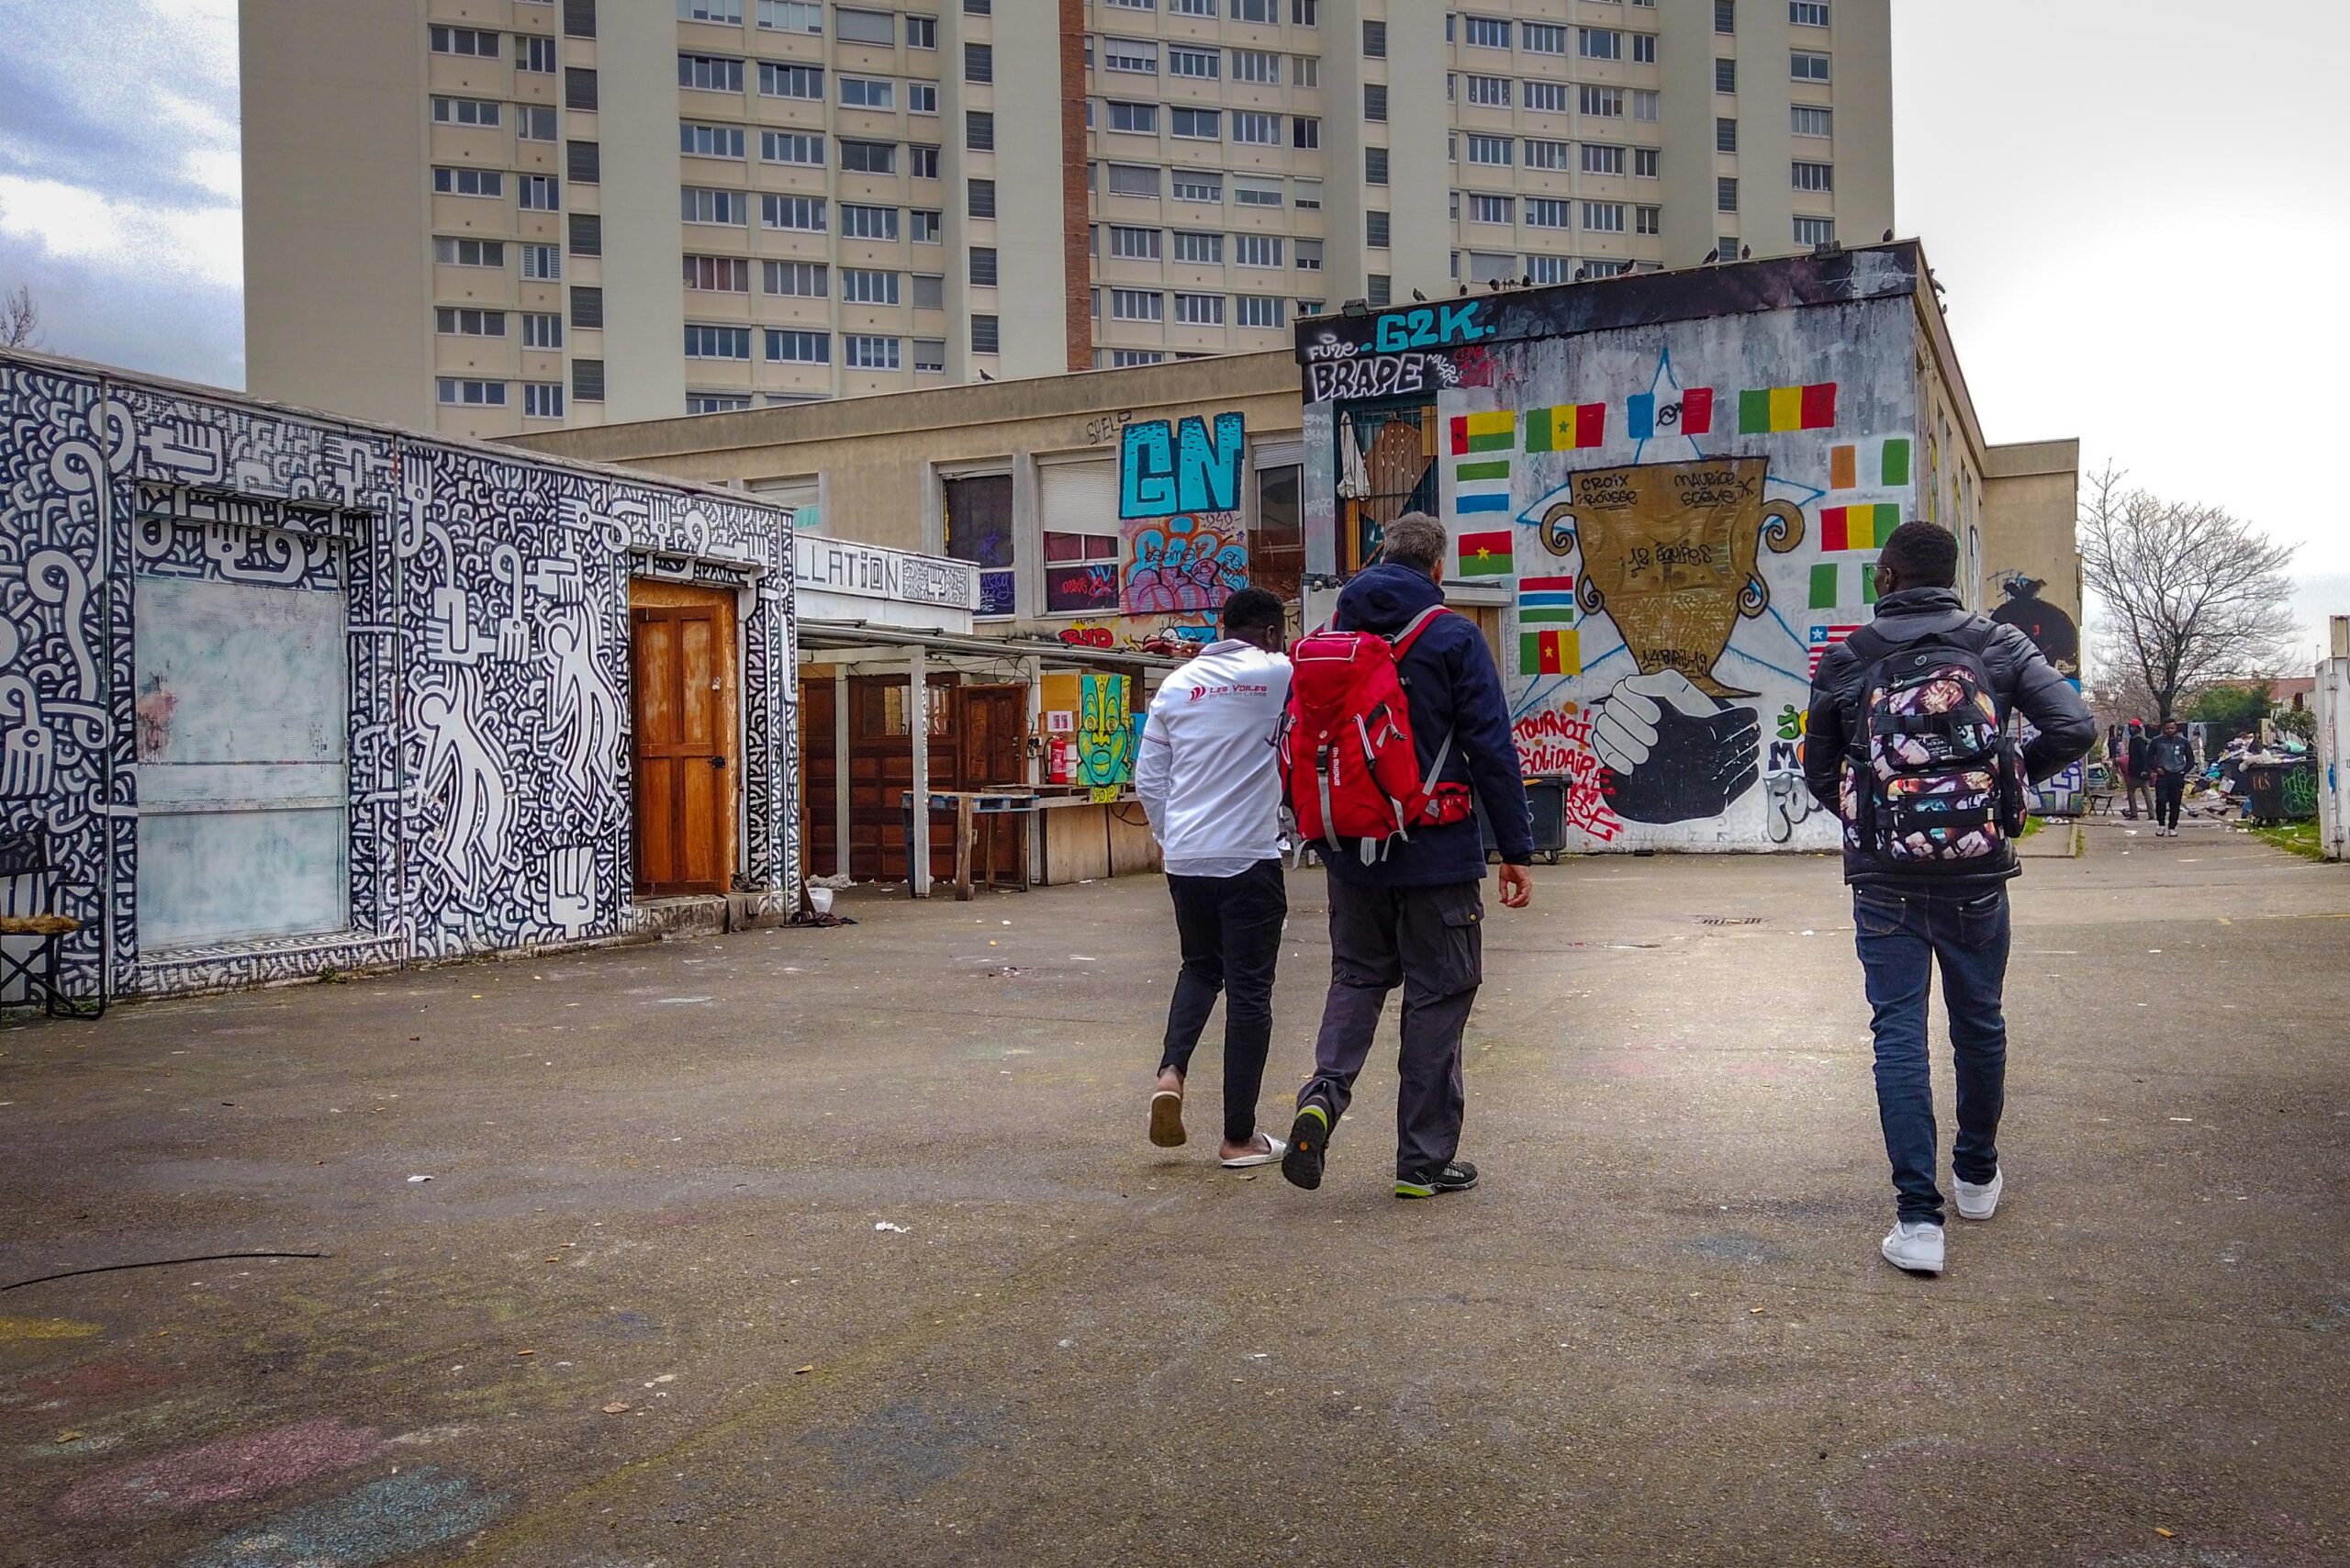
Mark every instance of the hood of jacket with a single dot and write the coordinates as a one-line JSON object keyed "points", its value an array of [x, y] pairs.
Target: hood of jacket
{"points": [[1915, 613], [1385, 597]]}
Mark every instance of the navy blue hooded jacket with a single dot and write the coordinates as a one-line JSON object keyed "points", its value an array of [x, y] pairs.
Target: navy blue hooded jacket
{"points": [[1452, 686]]}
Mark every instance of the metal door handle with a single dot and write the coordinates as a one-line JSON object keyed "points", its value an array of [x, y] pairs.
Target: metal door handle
{"points": [[718, 762]]}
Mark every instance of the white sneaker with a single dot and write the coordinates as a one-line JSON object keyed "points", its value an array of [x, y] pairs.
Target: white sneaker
{"points": [[1983, 1202], [1915, 1246]]}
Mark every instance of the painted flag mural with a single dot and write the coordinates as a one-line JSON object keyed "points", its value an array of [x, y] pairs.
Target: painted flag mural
{"points": [[1566, 428], [1687, 412], [1868, 465], [1481, 455], [1772, 411], [1824, 638], [1857, 528], [1487, 554], [1554, 651], [1547, 600], [1835, 583]]}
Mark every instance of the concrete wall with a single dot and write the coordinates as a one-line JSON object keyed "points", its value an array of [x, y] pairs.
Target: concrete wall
{"points": [[485, 595], [2031, 559]]}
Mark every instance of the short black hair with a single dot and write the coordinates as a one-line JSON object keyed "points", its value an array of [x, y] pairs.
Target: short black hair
{"points": [[1250, 610], [1925, 554]]}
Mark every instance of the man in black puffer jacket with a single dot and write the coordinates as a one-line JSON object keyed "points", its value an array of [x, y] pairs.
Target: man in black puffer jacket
{"points": [[1908, 924], [1411, 918]]}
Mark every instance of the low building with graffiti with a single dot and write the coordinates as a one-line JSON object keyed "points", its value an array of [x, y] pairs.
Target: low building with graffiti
{"points": [[281, 693], [1665, 492]]}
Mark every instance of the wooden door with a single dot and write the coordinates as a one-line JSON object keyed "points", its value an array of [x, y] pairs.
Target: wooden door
{"points": [[681, 749], [991, 730], [820, 853]]}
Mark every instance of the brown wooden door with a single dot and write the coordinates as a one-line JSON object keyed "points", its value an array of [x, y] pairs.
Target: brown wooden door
{"points": [[992, 728], [681, 750]]}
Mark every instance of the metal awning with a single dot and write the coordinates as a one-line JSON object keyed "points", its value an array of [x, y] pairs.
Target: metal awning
{"points": [[815, 634]]}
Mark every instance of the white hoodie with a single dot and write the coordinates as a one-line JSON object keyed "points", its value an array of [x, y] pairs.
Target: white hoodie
{"points": [[1208, 775]]}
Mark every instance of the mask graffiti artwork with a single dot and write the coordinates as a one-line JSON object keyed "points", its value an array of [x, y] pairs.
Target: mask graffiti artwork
{"points": [[1105, 736]]}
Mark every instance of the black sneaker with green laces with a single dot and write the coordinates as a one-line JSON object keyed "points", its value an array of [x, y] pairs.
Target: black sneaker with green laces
{"points": [[1302, 1166], [1457, 1177]]}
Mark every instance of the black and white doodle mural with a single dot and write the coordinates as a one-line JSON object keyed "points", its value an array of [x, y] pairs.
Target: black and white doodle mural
{"points": [[486, 598]]}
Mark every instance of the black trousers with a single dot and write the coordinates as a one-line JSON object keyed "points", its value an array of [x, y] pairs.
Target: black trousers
{"points": [[1430, 942], [1230, 928], [2170, 789]]}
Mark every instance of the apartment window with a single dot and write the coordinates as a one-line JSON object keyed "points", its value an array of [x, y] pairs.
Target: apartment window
{"points": [[1814, 176], [1203, 64], [584, 161], [922, 227], [466, 111], [1304, 13], [978, 7], [542, 329], [579, 18], [1196, 125], [1543, 212], [1604, 217], [1374, 102], [469, 323], [1644, 49], [859, 222], [1726, 247], [1133, 244], [930, 353], [1131, 4], [1129, 55], [1646, 162], [1601, 159], [1725, 75], [718, 275], [473, 394], [864, 27], [1545, 154], [1489, 150], [1648, 220], [534, 54], [1485, 32], [698, 204], [1374, 165], [979, 62], [868, 92], [1806, 66], [1374, 40], [1547, 97], [535, 122], [716, 343], [922, 97], [588, 380], [793, 212], [1645, 104], [1133, 179], [869, 157], [1599, 43], [980, 198], [1309, 255], [986, 335], [1375, 228], [1815, 230], [1541, 37], [717, 402], [1191, 8], [869, 285], [1265, 12], [1139, 118], [1305, 71], [791, 147], [1453, 202], [1255, 249], [1485, 208], [1809, 121], [1187, 186], [712, 73], [1379, 290], [790, 81], [1725, 195], [542, 400], [922, 162], [1252, 190], [586, 306], [1808, 13], [981, 266], [469, 182], [1259, 311], [1198, 249], [710, 141], [1491, 92], [805, 280], [922, 32], [1138, 305], [1725, 15], [792, 16], [468, 252], [1725, 135], [1600, 103], [1199, 310], [578, 88], [468, 41], [789, 346], [539, 193], [1253, 128], [587, 234]]}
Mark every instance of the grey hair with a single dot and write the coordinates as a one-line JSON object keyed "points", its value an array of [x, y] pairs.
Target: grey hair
{"points": [[1415, 539]]}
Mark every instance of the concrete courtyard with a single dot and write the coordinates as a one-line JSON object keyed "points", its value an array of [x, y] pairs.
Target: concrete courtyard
{"points": [[846, 1246]]}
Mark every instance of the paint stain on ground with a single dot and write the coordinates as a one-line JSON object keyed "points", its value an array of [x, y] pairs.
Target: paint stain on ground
{"points": [[90, 1380], [379, 1522], [15, 1329], [1735, 1247], [897, 1450], [248, 1465]]}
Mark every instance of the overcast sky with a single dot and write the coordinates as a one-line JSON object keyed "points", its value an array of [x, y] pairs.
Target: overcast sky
{"points": [[2140, 209]]}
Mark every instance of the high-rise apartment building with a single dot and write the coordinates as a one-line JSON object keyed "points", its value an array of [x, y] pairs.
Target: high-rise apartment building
{"points": [[492, 215]]}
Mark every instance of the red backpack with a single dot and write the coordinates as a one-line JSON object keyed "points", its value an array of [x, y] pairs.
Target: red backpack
{"points": [[1348, 766]]}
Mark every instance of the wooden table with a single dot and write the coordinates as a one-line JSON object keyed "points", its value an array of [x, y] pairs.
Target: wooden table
{"points": [[976, 811]]}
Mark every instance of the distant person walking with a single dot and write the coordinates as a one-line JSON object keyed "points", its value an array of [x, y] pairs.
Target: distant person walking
{"points": [[1908, 744], [2138, 768], [2172, 758], [1211, 786], [1412, 917]]}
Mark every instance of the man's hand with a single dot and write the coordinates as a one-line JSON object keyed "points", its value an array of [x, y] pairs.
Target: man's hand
{"points": [[1517, 887], [1674, 753]]}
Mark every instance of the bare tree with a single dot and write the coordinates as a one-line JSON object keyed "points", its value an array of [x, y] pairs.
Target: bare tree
{"points": [[20, 320], [2194, 594]]}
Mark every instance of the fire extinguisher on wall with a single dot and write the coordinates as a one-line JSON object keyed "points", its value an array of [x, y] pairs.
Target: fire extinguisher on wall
{"points": [[1061, 759]]}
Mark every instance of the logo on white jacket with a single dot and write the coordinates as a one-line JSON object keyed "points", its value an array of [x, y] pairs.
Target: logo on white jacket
{"points": [[1232, 690]]}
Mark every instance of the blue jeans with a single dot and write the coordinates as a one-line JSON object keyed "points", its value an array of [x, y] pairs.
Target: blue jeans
{"points": [[1902, 934]]}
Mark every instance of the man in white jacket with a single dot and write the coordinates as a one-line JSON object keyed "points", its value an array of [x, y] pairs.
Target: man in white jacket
{"points": [[1210, 779]]}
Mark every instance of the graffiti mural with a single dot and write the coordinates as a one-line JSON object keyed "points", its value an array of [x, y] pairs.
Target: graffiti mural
{"points": [[2050, 630], [1105, 735], [1168, 467], [1182, 545], [1193, 562], [486, 613]]}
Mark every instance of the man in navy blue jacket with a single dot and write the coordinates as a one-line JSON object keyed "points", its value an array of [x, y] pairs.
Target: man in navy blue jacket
{"points": [[1412, 918]]}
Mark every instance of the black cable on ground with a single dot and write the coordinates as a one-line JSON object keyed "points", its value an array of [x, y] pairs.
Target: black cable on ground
{"points": [[158, 1263]]}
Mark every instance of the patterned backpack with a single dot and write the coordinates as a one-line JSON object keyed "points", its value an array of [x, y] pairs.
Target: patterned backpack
{"points": [[1932, 782]]}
